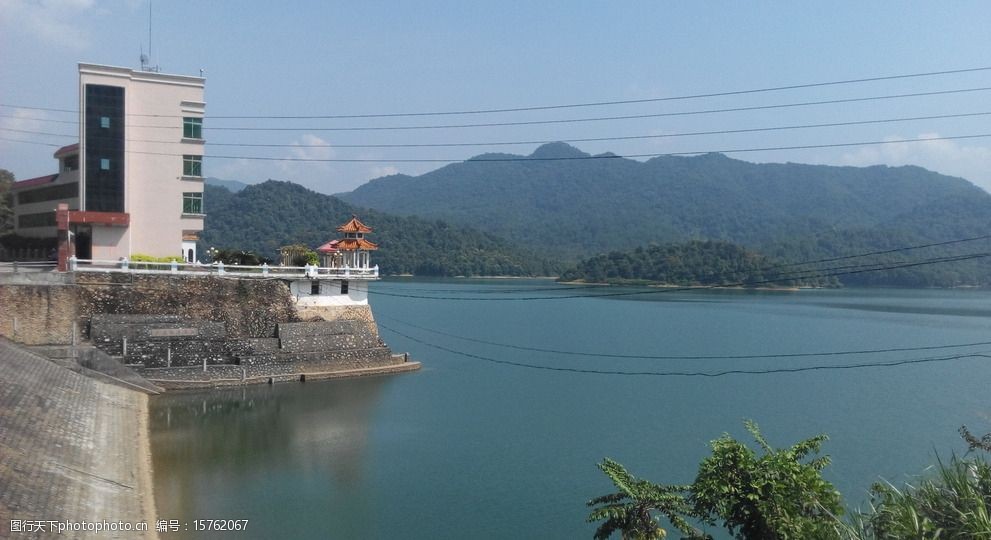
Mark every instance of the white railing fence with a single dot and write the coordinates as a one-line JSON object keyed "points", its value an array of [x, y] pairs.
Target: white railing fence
{"points": [[219, 268], [30, 266]]}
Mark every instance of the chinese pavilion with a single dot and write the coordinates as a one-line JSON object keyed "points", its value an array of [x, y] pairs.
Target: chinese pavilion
{"points": [[352, 251]]}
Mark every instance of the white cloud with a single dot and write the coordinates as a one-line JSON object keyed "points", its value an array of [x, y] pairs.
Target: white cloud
{"points": [[377, 172], [52, 22], [309, 149], [308, 170], [952, 157]]}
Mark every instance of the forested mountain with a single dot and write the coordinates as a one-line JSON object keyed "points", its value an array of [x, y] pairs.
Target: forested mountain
{"points": [[695, 263], [559, 201], [579, 207], [266, 216]]}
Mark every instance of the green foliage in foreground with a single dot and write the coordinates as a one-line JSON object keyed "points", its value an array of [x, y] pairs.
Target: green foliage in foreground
{"points": [[630, 510], [781, 495], [778, 494], [954, 503]]}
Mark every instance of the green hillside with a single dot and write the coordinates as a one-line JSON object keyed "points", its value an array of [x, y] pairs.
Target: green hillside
{"points": [[580, 207], [575, 209], [266, 216], [696, 263]]}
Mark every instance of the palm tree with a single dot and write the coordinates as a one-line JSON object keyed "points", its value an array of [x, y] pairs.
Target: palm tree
{"points": [[631, 511]]}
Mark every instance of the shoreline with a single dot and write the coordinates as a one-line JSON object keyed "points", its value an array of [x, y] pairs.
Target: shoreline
{"points": [[146, 476]]}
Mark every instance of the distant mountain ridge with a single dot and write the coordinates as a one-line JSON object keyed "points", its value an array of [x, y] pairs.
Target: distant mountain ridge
{"points": [[231, 185], [559, 201]]}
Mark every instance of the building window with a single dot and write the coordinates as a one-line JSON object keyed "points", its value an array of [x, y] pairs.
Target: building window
{"points": [[50, 193], [192, 203], [192, 165], [103, 156], [344, 286], [44, 219], [105, 122], [70, 163], [192, 127], [314, 287]]}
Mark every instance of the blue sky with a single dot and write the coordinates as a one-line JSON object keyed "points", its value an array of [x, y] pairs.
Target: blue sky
{"points": [[323, 58]]}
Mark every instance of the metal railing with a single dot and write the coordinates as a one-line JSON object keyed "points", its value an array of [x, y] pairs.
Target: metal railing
{"points": [[221, 269]]}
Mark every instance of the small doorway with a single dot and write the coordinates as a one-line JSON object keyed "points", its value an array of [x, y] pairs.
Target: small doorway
{"points": [[84, 242], [188, 251]]}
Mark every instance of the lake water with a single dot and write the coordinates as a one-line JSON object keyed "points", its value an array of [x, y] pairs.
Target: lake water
{"points": [[469, 448]]}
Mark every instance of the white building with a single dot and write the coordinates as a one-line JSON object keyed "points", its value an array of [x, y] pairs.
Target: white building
{"points": [[134, 182]]}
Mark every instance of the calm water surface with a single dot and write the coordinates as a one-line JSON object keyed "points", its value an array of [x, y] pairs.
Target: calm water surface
{"points": [[467, 448]]}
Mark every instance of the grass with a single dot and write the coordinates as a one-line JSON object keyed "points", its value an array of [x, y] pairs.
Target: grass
{"points": [[955, 502]]}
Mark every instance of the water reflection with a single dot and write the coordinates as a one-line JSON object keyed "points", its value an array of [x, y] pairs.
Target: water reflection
{"points": [[307, 439]]}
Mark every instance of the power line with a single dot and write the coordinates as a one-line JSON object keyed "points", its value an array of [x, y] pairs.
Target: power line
{"points": [[31, 132], [557, 121], [617, 138], [39, 119], [784, 277], [690, 357], [562, 158], [580, 140], [581, 158], [596, 119], [762, 269], [627, 101], [884, 252], [8, 139], [568, 105], [706, 374]]}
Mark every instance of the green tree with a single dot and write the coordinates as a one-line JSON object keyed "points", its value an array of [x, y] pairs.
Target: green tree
{"points": [[6, 201], [632, 510], [774, 496]]}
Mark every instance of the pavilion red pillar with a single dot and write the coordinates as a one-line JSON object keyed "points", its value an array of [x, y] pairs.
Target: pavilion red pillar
{"points": [[66, 244]]}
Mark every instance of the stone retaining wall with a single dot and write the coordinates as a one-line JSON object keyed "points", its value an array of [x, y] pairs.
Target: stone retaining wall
{"points": [[168, 327], [37, 308]]}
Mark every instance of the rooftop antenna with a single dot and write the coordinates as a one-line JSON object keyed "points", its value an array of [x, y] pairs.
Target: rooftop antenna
{"points": [[145, 58]]}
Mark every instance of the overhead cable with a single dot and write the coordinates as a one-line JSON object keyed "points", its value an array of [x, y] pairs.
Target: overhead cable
{"points": [[547, 141], [689, 357], [901, 249], [752, 283], [568, 105], [706, 374], [483, 159], [209, 127]]}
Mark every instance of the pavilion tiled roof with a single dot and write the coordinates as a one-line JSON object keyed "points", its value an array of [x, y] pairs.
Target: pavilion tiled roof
{"points": [[354, 226], [354, 244], [329, 247]]}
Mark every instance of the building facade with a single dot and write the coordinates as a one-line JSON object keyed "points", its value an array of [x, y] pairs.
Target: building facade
{"points": [[134, 181]]}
